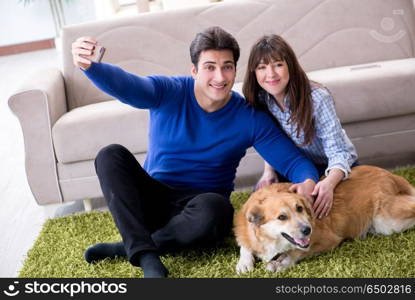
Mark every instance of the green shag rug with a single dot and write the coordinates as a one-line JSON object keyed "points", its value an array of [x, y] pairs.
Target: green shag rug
{"points": [[58, 252]]}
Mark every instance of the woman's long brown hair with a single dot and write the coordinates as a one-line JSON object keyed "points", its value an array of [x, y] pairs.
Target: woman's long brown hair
{"points": [[271, 48]]}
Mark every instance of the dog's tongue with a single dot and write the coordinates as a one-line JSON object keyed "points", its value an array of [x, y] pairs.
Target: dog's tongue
{"points": [[304, 242]]}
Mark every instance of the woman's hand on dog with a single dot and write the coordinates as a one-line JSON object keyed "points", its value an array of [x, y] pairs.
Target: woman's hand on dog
{"points": [[324, 191]]}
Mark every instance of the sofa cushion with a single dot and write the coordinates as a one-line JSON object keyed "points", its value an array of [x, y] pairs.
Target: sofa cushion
{"points": [[79, 134], [372, 91]]}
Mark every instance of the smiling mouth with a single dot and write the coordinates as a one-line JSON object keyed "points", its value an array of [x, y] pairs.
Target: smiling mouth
{"points": [[219, 87], [302, 243], [273, 82]]}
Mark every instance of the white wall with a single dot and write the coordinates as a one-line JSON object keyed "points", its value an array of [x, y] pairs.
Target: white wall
{"points": [[34, 22], [79, 11], [28, 23], [175, 4]]}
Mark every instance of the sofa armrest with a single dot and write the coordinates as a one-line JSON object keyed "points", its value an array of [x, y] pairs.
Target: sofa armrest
{"points": [[38, 104]]}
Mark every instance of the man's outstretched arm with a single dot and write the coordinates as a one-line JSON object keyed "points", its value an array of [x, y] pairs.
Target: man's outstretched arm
{"points": [[127, 87]]}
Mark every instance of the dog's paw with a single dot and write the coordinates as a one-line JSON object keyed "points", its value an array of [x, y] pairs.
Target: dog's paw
{"points": [[282, 263], [244, 265]]}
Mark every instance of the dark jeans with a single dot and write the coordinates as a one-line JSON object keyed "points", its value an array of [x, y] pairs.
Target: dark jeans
{"points": [[153, 216]]}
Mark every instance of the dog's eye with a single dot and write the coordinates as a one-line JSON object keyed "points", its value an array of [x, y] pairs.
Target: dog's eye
{"points": [[282, 217], [299, 209]]}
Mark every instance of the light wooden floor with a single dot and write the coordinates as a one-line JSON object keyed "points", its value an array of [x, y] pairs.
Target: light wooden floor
{"points": [[20, 217]]}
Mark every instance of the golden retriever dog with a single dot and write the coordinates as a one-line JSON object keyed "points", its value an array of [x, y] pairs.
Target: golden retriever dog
{"points": [[279, 227]]}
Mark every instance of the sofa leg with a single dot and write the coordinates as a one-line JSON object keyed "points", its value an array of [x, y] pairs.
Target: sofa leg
{"points": [[88, 205]]}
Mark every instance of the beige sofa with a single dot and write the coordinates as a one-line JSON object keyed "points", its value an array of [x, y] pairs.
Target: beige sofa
{"points": [[362, 50]]}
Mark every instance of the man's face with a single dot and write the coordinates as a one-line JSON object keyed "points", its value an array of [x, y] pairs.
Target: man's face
{"points": [[214, 76]]}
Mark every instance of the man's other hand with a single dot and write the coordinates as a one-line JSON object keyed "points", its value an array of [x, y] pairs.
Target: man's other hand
{"points": [[304, 188]]}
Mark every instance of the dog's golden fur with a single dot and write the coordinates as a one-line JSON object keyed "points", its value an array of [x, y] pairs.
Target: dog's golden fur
{"points": [[275, 223]]}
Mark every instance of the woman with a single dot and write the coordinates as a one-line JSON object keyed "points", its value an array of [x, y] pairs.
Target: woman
{"points": [[305, 111]]}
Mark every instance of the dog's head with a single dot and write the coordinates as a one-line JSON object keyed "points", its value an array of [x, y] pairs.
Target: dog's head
{"points": [[282, 216]]}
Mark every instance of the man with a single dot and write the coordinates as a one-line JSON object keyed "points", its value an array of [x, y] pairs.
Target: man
{"points": [[199, 131]]}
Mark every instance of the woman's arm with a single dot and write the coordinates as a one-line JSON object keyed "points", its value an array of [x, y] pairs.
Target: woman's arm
{"points": [[336, 146], [330, 132]]}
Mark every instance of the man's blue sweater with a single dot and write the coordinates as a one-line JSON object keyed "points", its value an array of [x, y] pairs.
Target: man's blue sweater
{"points": [[193, 149]]}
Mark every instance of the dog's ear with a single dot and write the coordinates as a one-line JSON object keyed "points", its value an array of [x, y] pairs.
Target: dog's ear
{"points": [[256, 216]]}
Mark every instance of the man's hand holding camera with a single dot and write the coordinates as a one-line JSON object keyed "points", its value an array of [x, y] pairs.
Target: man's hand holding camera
{"points": [[85, 50]]}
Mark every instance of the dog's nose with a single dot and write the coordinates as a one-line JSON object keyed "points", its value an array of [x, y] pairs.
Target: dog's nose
{"points": [[306, 230]]}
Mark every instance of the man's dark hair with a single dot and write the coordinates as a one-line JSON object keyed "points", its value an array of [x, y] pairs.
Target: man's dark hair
{"points": [[213, 38]]}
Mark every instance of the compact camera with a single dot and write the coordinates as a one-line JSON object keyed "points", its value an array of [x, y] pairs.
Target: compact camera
{"points": [[98, 54]]}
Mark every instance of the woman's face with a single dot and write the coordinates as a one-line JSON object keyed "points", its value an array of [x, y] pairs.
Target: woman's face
{"points": [[273, 78]]}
